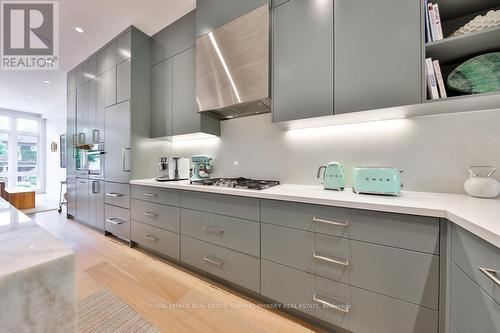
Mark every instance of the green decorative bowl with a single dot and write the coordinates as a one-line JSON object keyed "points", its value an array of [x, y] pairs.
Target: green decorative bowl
{"points": [[480, 74]]}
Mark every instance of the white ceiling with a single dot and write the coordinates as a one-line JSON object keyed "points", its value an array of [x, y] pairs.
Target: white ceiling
{"points": [[102, 20]]}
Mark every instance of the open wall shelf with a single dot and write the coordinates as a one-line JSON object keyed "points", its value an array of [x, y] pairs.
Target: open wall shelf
{"points": [[453, 51]]}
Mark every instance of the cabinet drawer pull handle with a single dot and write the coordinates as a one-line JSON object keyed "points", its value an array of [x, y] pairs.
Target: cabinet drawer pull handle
{"points": [[491, 274], [213, 261], [343, 262], [150, 195], [151, 214], [345, 308], [151, 238], [114, 195], [213, 230], [115, 221], [96, 136], [320, 220]]}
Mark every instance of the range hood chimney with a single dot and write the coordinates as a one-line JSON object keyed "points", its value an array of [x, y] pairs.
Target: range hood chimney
{"points": [[232, 67]]}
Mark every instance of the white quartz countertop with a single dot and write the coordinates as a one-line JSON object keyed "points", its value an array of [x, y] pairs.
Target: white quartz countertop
{"points": [[24, 244], [479, 216]]}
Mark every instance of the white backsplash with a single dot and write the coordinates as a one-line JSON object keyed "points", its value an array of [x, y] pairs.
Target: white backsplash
{"points": [[434, 151]]}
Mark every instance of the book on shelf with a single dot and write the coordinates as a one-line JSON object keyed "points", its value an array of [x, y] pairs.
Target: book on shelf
{"points": [[431, 79], [428, 36], [437, 19], [433, 27], [439, 79]]}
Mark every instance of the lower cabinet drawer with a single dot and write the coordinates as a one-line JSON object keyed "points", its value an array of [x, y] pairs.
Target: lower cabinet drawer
{"points": [[234, 233], [417, 233], [353, 309], [156, 239], [236, 267], [117, 221], [478, 259], [161, 216], [471, 310], [403, 274], [117, 194], [154, 194]]}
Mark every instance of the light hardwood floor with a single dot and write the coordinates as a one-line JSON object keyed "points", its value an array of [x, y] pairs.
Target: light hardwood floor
{"points": [[157, 289]]}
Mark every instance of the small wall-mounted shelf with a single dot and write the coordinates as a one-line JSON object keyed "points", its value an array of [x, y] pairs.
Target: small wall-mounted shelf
{"points": [[453, 49]]}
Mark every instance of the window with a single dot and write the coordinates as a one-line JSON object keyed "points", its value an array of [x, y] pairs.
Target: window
{"points": [[20, 151]]}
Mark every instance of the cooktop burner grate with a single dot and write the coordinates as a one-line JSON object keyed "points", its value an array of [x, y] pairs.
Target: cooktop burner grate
{"points": [[239, 182]]}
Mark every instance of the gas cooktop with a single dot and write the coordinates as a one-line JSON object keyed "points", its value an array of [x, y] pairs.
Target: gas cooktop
{"points": [[240, 182]]}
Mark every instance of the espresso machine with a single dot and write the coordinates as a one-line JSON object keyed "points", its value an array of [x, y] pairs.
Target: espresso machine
{"points": [[202, 169], [173, 168]]}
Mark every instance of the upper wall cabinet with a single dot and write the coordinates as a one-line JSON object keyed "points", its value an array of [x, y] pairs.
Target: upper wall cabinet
{"points": [[173, 83], [212, 14], [106, 58], [378, 55], [176, 38], [302, 57], [123, 47]]}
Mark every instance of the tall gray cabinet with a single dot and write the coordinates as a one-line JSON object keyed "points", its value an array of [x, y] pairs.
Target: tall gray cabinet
{"points": [[173, 83], [107, 94]]}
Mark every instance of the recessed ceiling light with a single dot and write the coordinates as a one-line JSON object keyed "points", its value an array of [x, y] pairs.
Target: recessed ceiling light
{"points": [[29, 97], [47, 81], [78, 29]]}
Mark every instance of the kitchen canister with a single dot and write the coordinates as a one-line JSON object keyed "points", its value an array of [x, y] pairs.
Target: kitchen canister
{"points": [[482, 186]]}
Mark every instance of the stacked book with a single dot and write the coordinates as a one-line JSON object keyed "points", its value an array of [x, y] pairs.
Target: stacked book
{"points": [[433, 29], [435, 82]]}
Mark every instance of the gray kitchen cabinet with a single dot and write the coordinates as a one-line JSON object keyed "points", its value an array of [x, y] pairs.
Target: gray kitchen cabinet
{"points": [[110, 87], [157, 215], [117, 221], [237, 234], [91, 111], [406, 275], [158, 195], [123, 47], [71, 142], [378, 54], [478, 259], [162, 241], [354, 309], [106, 58], [173, 83], [174, 39], [71, 80], [96, 204], [471, 309], [83, 113], [117, 194], [233, 266], [79, 75], [416, 233], [82, 200], [117, 138], [89, 69], [99, 118], [71, 209], [212, 14], [302, 59], [186, 118], [161, 123], [230, 205], [123, 83], [71, 134]]}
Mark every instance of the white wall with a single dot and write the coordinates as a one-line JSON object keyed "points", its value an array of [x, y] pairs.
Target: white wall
{"points": [[434, 151], [55, 126]]}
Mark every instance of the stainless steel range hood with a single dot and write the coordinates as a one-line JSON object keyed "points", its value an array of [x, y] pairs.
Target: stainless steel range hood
{"points": [[232, 67]]}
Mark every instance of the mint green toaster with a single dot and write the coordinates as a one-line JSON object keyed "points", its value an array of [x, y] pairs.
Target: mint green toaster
{"points": [[377, 180]]}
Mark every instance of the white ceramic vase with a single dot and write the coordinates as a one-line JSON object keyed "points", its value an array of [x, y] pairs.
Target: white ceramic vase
{"points": [[482, 187]]}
